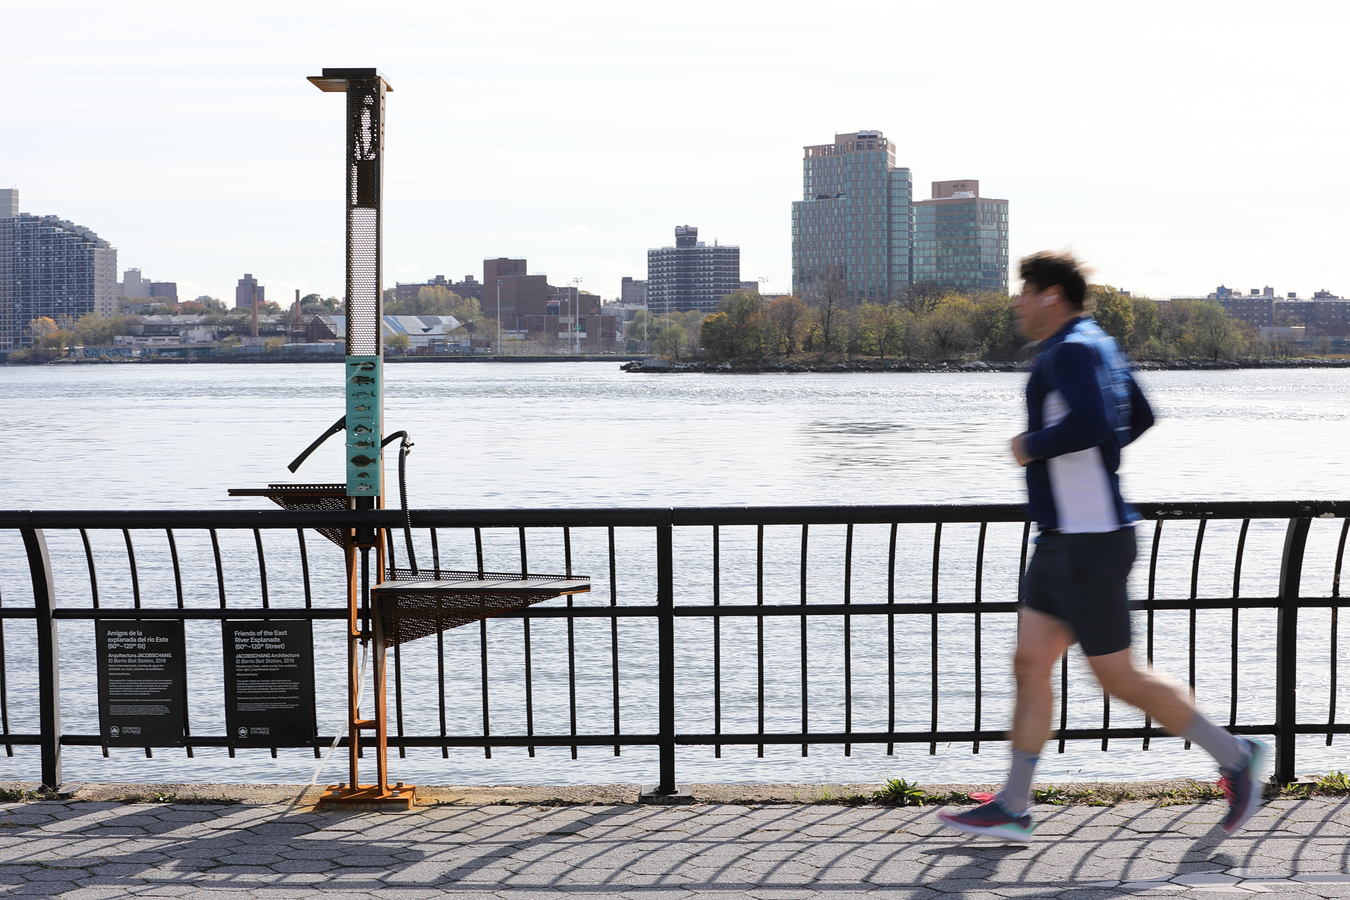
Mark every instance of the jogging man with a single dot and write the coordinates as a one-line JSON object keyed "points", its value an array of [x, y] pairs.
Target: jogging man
{"points": [[1083, 406]]}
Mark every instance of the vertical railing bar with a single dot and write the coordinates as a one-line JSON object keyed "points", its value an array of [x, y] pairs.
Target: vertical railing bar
{"points": [[979, 598], [890, 641], [483, 680], [848, 637], [1286, 650], [529, 682], [1022, 563], [571, 640], [440, 685], [4, 688], [614, 633], [220, 569], [717, 636], [665, 639], [1335, 625], [398, 701], [1233, 629], [262, 567], [567, 549], [178, 591], [1149, 617], [478, 547], [805, 687], [135, 576], [759, 626], [1192, 613], [48, 654], [1063, 698], [933, 638], [177, 570], [89, 558], [304, 567], [389, 549], [435, 553], [524, 556]]}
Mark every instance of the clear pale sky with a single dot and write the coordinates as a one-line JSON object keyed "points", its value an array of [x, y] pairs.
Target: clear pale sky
{"points": [[1173, 145]]}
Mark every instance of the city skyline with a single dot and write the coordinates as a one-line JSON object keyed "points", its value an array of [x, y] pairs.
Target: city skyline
{"points": [[194, 145]]}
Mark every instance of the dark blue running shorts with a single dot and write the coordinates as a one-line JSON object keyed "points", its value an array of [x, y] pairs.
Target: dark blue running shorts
{"points": [[1080, 579]]}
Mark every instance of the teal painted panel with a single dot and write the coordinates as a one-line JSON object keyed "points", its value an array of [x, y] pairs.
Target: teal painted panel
{"points": [[364, 426]]}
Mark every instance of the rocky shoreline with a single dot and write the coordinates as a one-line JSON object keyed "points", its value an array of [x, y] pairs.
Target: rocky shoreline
{"points": [[752, 367]]}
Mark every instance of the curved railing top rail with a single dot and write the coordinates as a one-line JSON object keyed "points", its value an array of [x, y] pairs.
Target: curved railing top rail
{"points": [[637, 516]]}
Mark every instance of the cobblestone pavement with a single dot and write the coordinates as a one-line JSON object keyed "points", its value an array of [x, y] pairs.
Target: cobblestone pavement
{"points": [[96, 850]]}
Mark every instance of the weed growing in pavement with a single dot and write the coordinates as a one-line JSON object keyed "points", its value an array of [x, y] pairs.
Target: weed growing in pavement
{"points": [[899, 792], [1051, 795], [1334, 782]]}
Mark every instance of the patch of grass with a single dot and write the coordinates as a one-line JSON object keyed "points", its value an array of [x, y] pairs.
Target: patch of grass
{"points": [[1334, 782], [833, 793], [1051, 795], [19, 795], [899, 792]]}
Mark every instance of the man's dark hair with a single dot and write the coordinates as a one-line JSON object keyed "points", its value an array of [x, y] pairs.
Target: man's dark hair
{"points": [[1047, 270]]}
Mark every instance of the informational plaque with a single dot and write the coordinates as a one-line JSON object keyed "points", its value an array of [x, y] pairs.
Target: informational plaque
{"points": [[142, 682], [269, 683]]}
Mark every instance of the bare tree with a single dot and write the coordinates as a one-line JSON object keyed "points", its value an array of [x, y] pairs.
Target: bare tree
{"points": [[827, 302]]}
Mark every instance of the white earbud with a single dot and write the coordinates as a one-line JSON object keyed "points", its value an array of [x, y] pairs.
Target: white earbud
{"points": [[1049, 298]]}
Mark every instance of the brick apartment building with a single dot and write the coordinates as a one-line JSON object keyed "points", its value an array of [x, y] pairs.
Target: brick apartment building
{"points": [[530, 307], [1324, 314], [469, 287]]}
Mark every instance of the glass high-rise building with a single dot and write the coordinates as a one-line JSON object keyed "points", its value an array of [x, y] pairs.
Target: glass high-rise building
{"points": [[854, 226], [49, 267], [961, 239]]}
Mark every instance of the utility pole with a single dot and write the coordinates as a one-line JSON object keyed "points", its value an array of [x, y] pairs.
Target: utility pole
{"points": [[576, 317]]}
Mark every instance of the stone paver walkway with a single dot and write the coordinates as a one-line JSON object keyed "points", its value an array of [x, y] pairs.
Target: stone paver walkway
{"points": [[97, 850]]}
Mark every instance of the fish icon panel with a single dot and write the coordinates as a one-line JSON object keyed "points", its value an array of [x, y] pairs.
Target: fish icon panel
{"points": [[363, 460], [365, 365], [362, 379]]}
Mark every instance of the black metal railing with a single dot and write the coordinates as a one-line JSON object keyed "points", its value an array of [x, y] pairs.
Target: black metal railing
{"points": [[712, 627]]}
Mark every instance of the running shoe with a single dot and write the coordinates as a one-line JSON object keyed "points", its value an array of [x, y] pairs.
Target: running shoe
{"points": [[1242, 786], [990, 818]]}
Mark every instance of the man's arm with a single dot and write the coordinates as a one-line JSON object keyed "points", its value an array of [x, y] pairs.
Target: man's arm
{"points": [[1074, 374], [1141, 414]]}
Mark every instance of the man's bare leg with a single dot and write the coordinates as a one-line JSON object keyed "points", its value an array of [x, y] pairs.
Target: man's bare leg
{"points": [[1041, 641], [1166, 701]]}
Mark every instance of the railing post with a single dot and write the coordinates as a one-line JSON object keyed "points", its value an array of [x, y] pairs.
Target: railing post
{"points": [[1286, 650], [665, 636], [49, 657]]}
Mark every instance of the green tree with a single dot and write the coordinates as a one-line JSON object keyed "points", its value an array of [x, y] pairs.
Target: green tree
{"points": [[1113, 310], [314, 302], [397, 342], [97, 330], [993, 326], [1146, 326], [949, 327], [1213, 333], [784, 324], [672, 341]]}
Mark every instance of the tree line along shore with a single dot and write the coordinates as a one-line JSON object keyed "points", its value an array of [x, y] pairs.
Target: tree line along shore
{"points": [[924, 328]]}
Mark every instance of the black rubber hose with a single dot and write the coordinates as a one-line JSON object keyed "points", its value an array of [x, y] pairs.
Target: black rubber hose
{"points": [[403, 449]]}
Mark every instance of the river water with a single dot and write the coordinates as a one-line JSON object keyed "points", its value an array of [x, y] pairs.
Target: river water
{"points": [[587, 434]]}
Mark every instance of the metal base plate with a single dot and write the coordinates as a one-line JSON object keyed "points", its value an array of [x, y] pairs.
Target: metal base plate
{"points": [[683, 793], [369, 797]]}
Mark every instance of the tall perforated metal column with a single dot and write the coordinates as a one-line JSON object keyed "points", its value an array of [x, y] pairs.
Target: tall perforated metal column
{"points": [[365, 90]]}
